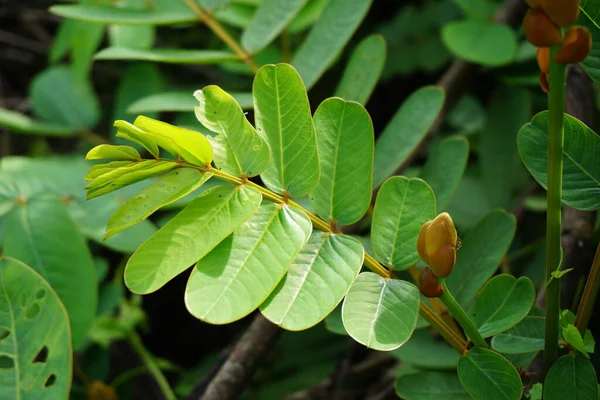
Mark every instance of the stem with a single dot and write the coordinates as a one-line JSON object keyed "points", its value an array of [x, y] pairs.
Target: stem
{"points": [[556, 106], [461, 316], [586, 306], [151, 365], [440, 325], [222, 34]]}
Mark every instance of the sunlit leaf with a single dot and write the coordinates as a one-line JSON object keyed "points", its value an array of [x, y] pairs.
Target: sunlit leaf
{"points": [[106, 151], [179, 101]]}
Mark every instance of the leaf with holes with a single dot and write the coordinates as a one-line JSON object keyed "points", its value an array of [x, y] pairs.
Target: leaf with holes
{"points": [[239, 274], [381, 313], [43, 236], [485, 374], [345, 141], [402, 207], [35, 342], [283, 119], [571, 377], [239, 150], [316, 282]]}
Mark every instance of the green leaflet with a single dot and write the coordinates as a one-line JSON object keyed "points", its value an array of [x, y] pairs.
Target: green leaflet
{"points": [[167, 189], [502, 303], [581, 170], [381, 313], [239, 150], [114, 15], [171, 56], [525, 337], [316, 282], [20, 123], [136, 135], [283, 119], [189, 236], [571, 377], [402, 207], [270, 19], [105, 151], [445, 167], [430, 385], [363, 70], [405, 131], [43, 236], [237, 276], [327, 38], [485, 374], [307, 16], [179, 101], [35, 339], [345, 141]]}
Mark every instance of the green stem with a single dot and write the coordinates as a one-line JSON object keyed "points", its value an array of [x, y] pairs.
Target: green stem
{"points": [[461, 316], [588, 299], [556, 106], [148, 359]]}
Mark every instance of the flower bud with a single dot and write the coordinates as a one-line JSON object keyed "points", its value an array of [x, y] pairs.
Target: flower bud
{"points": [[543, 59], [576, 46], [421, 242], [437, 244], [442, 261], [539, 29], [428, 284], [561, 12], [544, 84]]}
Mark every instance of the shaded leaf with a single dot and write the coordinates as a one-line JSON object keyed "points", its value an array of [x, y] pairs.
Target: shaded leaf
{"points": [[429, 385], [572, 376], [20, 123], [525, 337], [423, 350], [171, 56]]}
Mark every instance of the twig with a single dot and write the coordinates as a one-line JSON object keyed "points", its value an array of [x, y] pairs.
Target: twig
{"points": [[590, 293]]}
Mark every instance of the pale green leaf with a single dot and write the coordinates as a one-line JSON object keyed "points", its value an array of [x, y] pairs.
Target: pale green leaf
{"points": [[129, 16], [402, 207], [132, 37], [571, 335], [381, 313], [307, 16], [85, 43], [136, 135], [525, 337], [106, 151], [316, 282], [345, 141], [283, 119], [237, 276], [429, 385], [189, 236], [35, 342], [571, 377], [19, 123], [173, 56], [179, 101]]}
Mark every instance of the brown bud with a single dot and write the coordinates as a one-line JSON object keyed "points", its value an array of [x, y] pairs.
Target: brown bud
{"points": [[561, 12], [544, 84], [421, 247], [539, 29], [543, 59], [440, 232], [442, 261], [576, 46], [428, 284], [101, 391]]}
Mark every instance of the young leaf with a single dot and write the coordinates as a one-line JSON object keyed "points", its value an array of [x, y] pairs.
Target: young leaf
{"points": [[381, 313], [525, 337], [430, 385], [136, 135], [270, 19], [345, 141], [239, 149], [363, 70], [581, 172], [571, 377], [169, 188], [283, 119], [487, 375], [482, 250], [105, 151], [402, 207], [445, 167], [43, 236], [316, 282], [189, 236], [327, 38], [572, 336], [405, 131], [36, 342], [237, 276], [502, 303], [170, 56]]}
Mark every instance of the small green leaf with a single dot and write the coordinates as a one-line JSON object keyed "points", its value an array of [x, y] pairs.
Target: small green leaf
{"points": [[19, 123], [571, 377], [327, 38], [171, 56], [283, 119], [405, 131], [535, 393], [237, 276], [316, 282], [402, 207], [525, 337], [169, 188], [487, 375], [130, 16], [429, 385], [101, 169], [445, 167], [572, 336], [423, 350], [36, 358], [345, 140], [136, 135], [381, 313], [502, 303], [559, 274], [363, 70], [240, 151], [105, 151], [581, 171], [196, 230], [179, 101]]}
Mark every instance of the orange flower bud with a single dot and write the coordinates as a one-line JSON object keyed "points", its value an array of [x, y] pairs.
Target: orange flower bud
{"points": [[440, 232], [576, 46], [437, 244], [421, 242], [544, 84], [442, 261], [539, 29], [561, 12], [428, 284], [543, 59]]}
